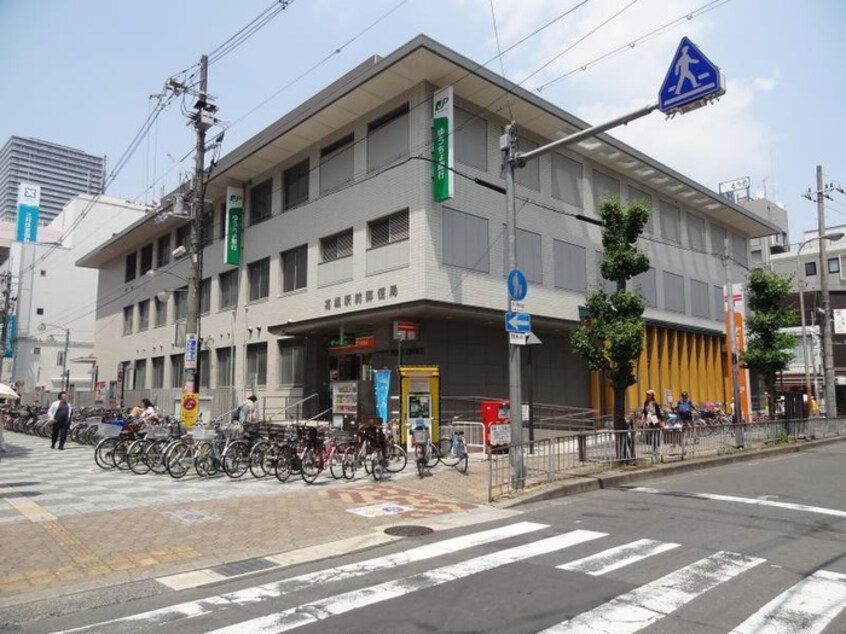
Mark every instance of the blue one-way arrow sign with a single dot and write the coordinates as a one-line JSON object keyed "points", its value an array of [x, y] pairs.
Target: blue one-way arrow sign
{"points": [[518, 322], [691, 80]]}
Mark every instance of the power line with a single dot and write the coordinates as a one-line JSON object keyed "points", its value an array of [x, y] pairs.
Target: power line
{"points": [[501, 62], [250, 29]]}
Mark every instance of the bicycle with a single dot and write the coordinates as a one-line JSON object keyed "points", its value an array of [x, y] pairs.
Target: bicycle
{"points": [[425, 451], [456, 454]]}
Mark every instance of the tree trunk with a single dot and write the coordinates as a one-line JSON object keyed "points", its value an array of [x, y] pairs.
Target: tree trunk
{"points": [[623, 450], [771, 399]]}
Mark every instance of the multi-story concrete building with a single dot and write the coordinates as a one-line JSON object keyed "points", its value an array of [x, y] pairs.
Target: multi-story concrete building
{"points": [[56, 302], [343, 238], [761, 250], [62, 172]]}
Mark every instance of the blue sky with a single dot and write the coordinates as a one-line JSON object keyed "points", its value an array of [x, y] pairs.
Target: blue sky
{"points": [[80, 73]]}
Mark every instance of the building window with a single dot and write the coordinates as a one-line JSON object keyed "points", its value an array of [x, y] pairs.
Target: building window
{"points": [[604, 187], [465, 240], [261, 197], [163, 251], [131, 266], [295, 185], [127, 319], [294, 268], [146, 258], [336, 165], [221, 234], [740, 249], [834, 265], [670, 222], [180, 303], [177, 370], [390, 229], [161, 312], [139, 380], [39, 311], [636, 195], [674, 292], [205, 370], [529, 258], [256, 364], [529, 176], [567, 180], [259, 279], [228, 289], [158, 372], [36, 350], [292, 361], [336, 247], [387, 139], [183, 235], [205, 296], [810, 269], [225, 366], [471, 140], [144, 315], [570, 262], [696, 233]]}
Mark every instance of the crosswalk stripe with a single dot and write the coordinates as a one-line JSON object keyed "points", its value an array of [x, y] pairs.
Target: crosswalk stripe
{"points": [[639, 608], [618, 557], [315, 611], [806, 608], [168, 615]]}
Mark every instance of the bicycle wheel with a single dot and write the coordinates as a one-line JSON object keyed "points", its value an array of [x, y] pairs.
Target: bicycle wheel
{"points": [[178, 458], [103, 453], [396, 459], [236, 459], [350, 464], [135, 457], [205, 463], [420, 459], [377, 464], [449, 456], [463, 459], [154, 454], [336, 463], [434, 456], [119, 454], [310, 466], [257, 463], [283, 459]]}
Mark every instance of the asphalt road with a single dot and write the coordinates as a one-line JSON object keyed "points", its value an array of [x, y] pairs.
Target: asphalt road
{"points": [[752, 547]]}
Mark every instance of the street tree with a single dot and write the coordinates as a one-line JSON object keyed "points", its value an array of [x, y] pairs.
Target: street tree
{"points": [[769, 350], [610, 338]]}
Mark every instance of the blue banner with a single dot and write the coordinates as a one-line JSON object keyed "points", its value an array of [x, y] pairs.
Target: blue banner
{"points": [[11, 332], [27, 224], [382, 383]]}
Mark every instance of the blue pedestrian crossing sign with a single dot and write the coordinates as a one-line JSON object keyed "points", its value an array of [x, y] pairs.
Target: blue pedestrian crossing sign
{"points": [[691, 81], [518, 322], [517, 285]]}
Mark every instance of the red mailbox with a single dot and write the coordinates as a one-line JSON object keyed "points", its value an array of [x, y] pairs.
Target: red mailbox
{"points": [[497, 421]]}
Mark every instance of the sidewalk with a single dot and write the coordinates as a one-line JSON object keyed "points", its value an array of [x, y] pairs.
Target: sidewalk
{"points": [[73, 527]]}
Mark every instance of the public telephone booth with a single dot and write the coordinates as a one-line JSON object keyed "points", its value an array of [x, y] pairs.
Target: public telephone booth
{"points": [[420, 400], [496, 418]]}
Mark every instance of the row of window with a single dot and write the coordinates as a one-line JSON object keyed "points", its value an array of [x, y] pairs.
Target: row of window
{"points": [[833, 267], [290, 367], [294, 263]]}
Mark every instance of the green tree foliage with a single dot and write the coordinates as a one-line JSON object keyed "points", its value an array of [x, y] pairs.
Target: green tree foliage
{"points": [[769, 350], [610, 338]]}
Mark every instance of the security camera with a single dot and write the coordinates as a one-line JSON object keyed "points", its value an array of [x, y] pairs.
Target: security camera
{"points": [[179, 252]]}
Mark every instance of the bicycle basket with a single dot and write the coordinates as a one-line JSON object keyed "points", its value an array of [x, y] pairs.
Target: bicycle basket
{"points": [[108, 430], [421, 436], [203, 433], [159, 431]]}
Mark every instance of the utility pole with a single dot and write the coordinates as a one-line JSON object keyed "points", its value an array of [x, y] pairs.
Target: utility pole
{"points": [[828, 344], [65, 371], [737, 410]]}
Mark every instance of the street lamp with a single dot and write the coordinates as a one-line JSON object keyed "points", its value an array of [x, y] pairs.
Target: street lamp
{"points": [[800, 283], [65, 375]]}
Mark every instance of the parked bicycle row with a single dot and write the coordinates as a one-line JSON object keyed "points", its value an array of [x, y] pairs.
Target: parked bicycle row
{"points": [[264, 451]]}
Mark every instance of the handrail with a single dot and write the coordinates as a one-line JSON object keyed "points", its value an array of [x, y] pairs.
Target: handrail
{"points": [[316, 416], [300, 402]]}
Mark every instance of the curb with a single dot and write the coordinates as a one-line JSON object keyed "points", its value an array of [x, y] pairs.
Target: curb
{"points": [[584, 484]]}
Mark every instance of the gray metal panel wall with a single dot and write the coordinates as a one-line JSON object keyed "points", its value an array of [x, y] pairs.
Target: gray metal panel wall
{"points": [[700, 299], [570, 266], [674, 292]]}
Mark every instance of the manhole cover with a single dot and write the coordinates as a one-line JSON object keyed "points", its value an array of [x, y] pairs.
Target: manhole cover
{"points": [[408, 531]]}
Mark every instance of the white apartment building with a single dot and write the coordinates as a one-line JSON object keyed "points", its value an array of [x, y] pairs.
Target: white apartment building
{"points": [[343, 237], [57, 301]]}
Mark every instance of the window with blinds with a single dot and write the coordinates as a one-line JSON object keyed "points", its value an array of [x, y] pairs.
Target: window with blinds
{"points": [[644, 198], [389, 229], [294, 268], [696, 232], [567, 180], [228, 283], [337, 246], [570, 266], [259, 279], [261, 197], [674, 292], [670, 222], [336, 165], [387, 139], [604, 187], [465, 240], [471, 140], [295, 185]]}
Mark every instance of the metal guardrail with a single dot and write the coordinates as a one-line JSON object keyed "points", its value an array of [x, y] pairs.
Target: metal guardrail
{"points": [[474, 433], [552, 459]]}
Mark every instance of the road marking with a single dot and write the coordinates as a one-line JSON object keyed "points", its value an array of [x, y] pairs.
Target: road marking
{"points": [[168, 615], [806, 608], [643, 606], [618, 557], [313, 612], [754, 501]]}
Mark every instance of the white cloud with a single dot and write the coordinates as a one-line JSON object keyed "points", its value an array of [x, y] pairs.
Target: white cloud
{"points": [[766, 84]]}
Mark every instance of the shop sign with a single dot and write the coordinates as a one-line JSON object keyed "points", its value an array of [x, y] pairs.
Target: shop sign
{"points": [[442, 147], [234, 224], [360, 298]]}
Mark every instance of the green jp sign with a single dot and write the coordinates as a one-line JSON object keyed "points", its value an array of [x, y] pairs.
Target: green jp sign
{"points": [[442, 152], [234, 224]]}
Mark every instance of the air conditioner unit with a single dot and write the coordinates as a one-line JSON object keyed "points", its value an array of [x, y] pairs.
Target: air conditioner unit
{"points": [[179, 252]]}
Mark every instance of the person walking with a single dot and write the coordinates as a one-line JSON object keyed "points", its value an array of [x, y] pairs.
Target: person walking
{"points": [[685, 410], [60, 414], [652, 415]]}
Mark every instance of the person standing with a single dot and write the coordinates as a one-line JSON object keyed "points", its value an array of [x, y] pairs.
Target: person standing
{"points": [[652, 415], [247, 410], [685, 409], [60, 414]]}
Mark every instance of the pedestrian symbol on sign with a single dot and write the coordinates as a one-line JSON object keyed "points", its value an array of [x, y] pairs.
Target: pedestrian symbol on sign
{"points": [[691, 81]]}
